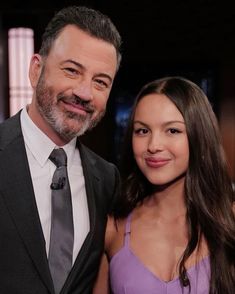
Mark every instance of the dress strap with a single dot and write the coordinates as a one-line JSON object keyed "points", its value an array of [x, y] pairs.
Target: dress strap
{"points": [[127, 231]]}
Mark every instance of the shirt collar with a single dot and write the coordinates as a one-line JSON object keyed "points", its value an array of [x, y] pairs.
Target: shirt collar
{"points": [[39, 144]]}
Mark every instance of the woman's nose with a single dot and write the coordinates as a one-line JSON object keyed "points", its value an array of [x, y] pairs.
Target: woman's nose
{"points": [[155, 144]]}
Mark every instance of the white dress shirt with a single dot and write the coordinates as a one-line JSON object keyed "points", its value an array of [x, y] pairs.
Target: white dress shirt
{"points": [[39, 148]]}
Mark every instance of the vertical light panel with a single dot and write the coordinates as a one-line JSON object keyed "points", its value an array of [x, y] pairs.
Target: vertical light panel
{"points": [[20, 50]]}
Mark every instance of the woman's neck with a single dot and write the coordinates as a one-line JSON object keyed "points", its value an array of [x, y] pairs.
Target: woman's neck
{"points": [[168, 202]]}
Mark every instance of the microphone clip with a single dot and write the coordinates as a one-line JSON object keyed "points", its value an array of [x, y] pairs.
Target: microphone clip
{"points": [[59, 185]]}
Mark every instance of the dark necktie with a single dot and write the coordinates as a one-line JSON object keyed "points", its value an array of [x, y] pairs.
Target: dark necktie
{"points": [[61, 238]]}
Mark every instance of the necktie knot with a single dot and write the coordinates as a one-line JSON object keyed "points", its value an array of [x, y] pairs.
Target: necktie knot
{"points": [[58, 157]]}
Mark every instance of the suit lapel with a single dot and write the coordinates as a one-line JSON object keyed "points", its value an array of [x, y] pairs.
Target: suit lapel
{"points": [[91, 181], [17, 190]]}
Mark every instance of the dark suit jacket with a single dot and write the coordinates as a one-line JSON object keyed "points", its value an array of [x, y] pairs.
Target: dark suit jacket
{"points": [[23, 261]]}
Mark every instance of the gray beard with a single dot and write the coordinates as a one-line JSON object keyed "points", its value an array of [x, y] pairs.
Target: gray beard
{"points": [[57, 119]]}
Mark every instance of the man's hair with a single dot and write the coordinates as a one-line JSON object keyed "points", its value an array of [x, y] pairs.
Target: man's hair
{"points": [[88, 20]]}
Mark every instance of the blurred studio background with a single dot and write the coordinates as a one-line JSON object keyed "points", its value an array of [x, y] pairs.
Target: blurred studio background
{"points": [[194, 39]]}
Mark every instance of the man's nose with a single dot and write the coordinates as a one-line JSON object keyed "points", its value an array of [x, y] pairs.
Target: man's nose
{"points": [[83, 89]]}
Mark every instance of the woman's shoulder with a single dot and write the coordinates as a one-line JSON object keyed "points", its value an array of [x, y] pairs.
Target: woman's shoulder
{"points": [[115, 227], [114, 236]]}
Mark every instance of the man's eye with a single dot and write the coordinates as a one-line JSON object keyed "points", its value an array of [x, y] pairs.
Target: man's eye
{"points": [[71, 70], [101, 83]]}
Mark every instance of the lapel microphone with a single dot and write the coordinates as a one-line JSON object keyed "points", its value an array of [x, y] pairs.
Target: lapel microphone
{"points": [[59, 185]]}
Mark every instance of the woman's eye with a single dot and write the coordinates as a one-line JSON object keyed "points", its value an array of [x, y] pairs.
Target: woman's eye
{"points": [[174, 131], [141, 131]]}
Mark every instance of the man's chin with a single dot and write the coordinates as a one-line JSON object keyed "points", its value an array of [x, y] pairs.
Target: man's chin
{"points": [[72, 130]]}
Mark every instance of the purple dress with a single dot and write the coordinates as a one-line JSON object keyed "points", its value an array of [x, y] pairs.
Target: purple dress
{"points": [[128, 275]]}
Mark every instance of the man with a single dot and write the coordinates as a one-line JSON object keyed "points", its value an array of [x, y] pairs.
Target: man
{"points": [[71, 77]]}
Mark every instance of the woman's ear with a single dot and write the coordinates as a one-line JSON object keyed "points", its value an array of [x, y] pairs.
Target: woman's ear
{"points": [[35, 69]]}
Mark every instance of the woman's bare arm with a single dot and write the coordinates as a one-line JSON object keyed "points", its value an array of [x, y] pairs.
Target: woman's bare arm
{"points": [[102, 281]]}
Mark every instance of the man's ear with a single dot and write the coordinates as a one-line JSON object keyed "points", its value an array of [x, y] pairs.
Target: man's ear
{"points": [[35, 69]]}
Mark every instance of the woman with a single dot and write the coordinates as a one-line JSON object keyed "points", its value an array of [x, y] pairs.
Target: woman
{"points": [[173, 230]]}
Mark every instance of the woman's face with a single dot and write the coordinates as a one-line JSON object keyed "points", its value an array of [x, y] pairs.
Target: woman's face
{"points": [[159, 140]]}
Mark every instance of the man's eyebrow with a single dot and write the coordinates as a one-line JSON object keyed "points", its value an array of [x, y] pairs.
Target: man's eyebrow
{"points": [[104, 75], [74, 62]]}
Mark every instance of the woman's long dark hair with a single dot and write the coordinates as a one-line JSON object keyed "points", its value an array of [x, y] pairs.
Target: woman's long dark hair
{"points": [[208, 189]]}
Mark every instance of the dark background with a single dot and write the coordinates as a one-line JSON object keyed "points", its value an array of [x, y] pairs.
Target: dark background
{"points": [[194, 39]]}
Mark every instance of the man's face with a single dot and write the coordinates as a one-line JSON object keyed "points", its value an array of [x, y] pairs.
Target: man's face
{"points": [[73, 86]]}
